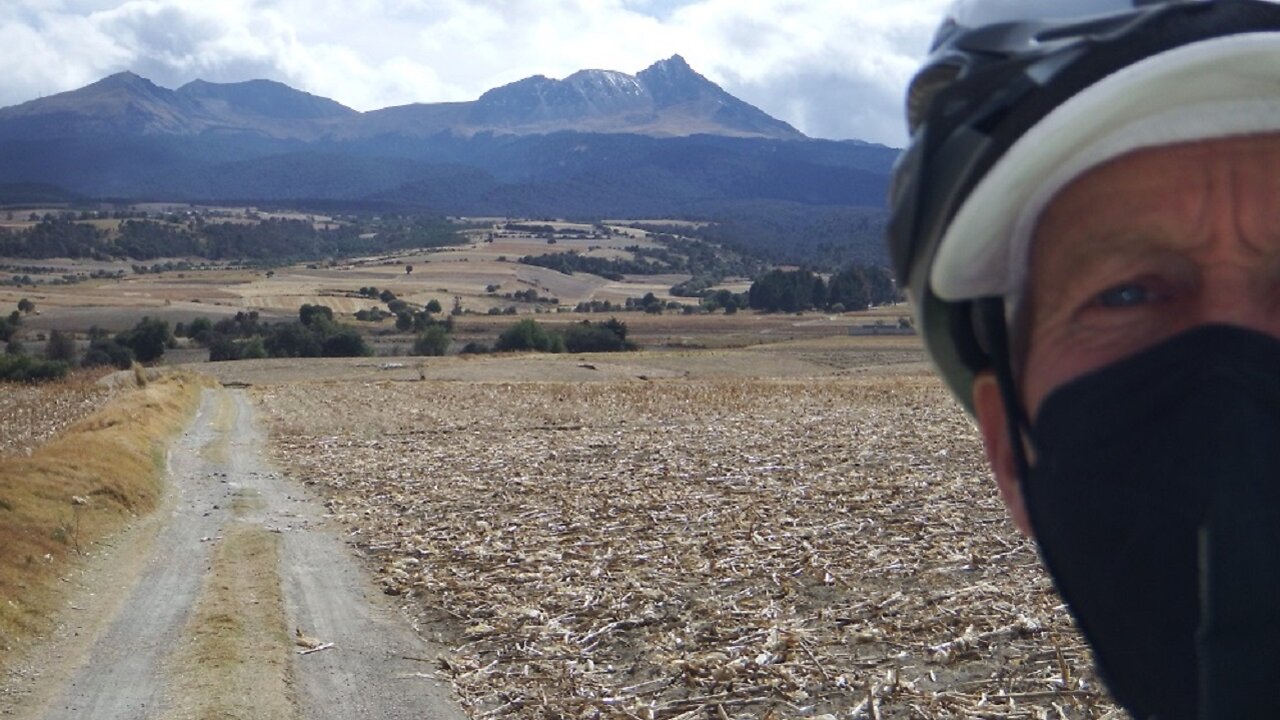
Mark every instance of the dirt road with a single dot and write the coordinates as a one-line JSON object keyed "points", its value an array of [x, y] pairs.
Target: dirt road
{"points": [[196, 612]]}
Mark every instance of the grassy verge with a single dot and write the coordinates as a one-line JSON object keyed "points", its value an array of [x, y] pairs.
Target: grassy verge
{"points": [[79, 487]]}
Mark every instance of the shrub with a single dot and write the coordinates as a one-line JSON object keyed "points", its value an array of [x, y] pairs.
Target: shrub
{"points": [[529, 335], [606, 337], [434, 342], [311, 314], [60, 347], [147, 339], [22, 368], [107, 351], [344, 343]]}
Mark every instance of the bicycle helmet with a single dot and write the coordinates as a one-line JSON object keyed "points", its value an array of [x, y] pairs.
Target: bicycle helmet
{"points": [[1019, 97]]}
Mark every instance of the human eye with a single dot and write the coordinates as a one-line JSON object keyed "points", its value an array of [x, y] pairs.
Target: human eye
{"points": [[1125, 295]]}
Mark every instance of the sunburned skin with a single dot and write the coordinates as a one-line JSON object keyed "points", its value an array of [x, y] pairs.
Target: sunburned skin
{"points": [[1134, 252]]}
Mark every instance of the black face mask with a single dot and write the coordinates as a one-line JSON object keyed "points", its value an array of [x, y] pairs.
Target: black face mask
{"points": [[1155, 499]]}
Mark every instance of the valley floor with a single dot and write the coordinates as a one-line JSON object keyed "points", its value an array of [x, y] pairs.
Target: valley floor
{"points": [[781, 531], [798, 529]]}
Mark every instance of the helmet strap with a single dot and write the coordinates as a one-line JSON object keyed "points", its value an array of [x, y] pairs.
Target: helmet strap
{"points": [[995, 332]]}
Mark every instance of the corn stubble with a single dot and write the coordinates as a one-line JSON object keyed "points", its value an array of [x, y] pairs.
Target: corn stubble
{"points": [[695, 549]]}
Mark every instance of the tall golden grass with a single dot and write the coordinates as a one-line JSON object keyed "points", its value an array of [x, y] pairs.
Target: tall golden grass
{"points": [[79, 487]]}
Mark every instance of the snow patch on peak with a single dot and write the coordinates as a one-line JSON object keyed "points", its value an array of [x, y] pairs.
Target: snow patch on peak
{"points": [[609, 82]]}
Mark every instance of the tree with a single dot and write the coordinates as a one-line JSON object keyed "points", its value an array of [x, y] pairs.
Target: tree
{"points": [[434, 307], [148, 339], [849, 289], [408, 269], [199, 330], [433, 342], [60, 346], [26, 306], [344, 343], [312, 314], [605, 337], [787, 291], [528, 334], [106, 351]]}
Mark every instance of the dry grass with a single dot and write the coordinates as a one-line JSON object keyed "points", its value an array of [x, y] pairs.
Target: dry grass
{"points": [[237, 661], [78, 487], [696, 548]]}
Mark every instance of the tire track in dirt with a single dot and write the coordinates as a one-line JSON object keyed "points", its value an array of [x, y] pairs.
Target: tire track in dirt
{"points": [[243, 556]]}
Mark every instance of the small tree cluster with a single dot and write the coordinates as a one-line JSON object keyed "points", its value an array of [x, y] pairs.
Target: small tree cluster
{"points": [[244, 337], [726, 300], [586, 337], [529, 335], [583, 337], [854, 288], [434, 341]]}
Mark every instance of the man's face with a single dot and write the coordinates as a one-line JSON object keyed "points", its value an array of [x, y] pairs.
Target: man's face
{"points": [[1134, 252]]}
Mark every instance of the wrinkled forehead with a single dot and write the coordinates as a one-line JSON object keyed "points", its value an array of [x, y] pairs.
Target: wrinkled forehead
{"points": [[1178, 200]]}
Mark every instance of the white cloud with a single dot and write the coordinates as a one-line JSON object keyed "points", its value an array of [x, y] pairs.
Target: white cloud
{"points": [[833, 68]]}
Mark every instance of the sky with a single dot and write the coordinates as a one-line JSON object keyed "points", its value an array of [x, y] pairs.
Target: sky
{"points": [[832, 68]]}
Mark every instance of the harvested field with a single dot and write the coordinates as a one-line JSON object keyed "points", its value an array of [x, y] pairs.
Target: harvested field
{"points": [[32, 414], [695, 548]]}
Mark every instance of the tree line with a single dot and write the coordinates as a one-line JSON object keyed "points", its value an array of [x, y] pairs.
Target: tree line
{"points": [[856, 287], [270, 239]]}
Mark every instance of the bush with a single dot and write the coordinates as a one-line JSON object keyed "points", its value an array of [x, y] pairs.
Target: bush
{"points": [[344, 343], [223, 348], [60, 347], [434, 342], [312, 314], [22, 368], [529, 335], [107, 351], [605, 337], [148, 339]]}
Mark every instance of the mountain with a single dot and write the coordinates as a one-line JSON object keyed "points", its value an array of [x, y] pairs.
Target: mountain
{"points": [[664, 142], [669, 99]]}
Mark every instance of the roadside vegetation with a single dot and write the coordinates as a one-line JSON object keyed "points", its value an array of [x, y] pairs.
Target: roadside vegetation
{"points": [[89, 481]]}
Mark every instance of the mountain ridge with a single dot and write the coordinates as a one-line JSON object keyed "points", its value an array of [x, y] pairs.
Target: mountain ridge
{"points": [[663, 143], [667, 99]]}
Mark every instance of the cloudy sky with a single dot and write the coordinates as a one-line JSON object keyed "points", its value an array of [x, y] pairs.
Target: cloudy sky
{"points": [[832, 68]]}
